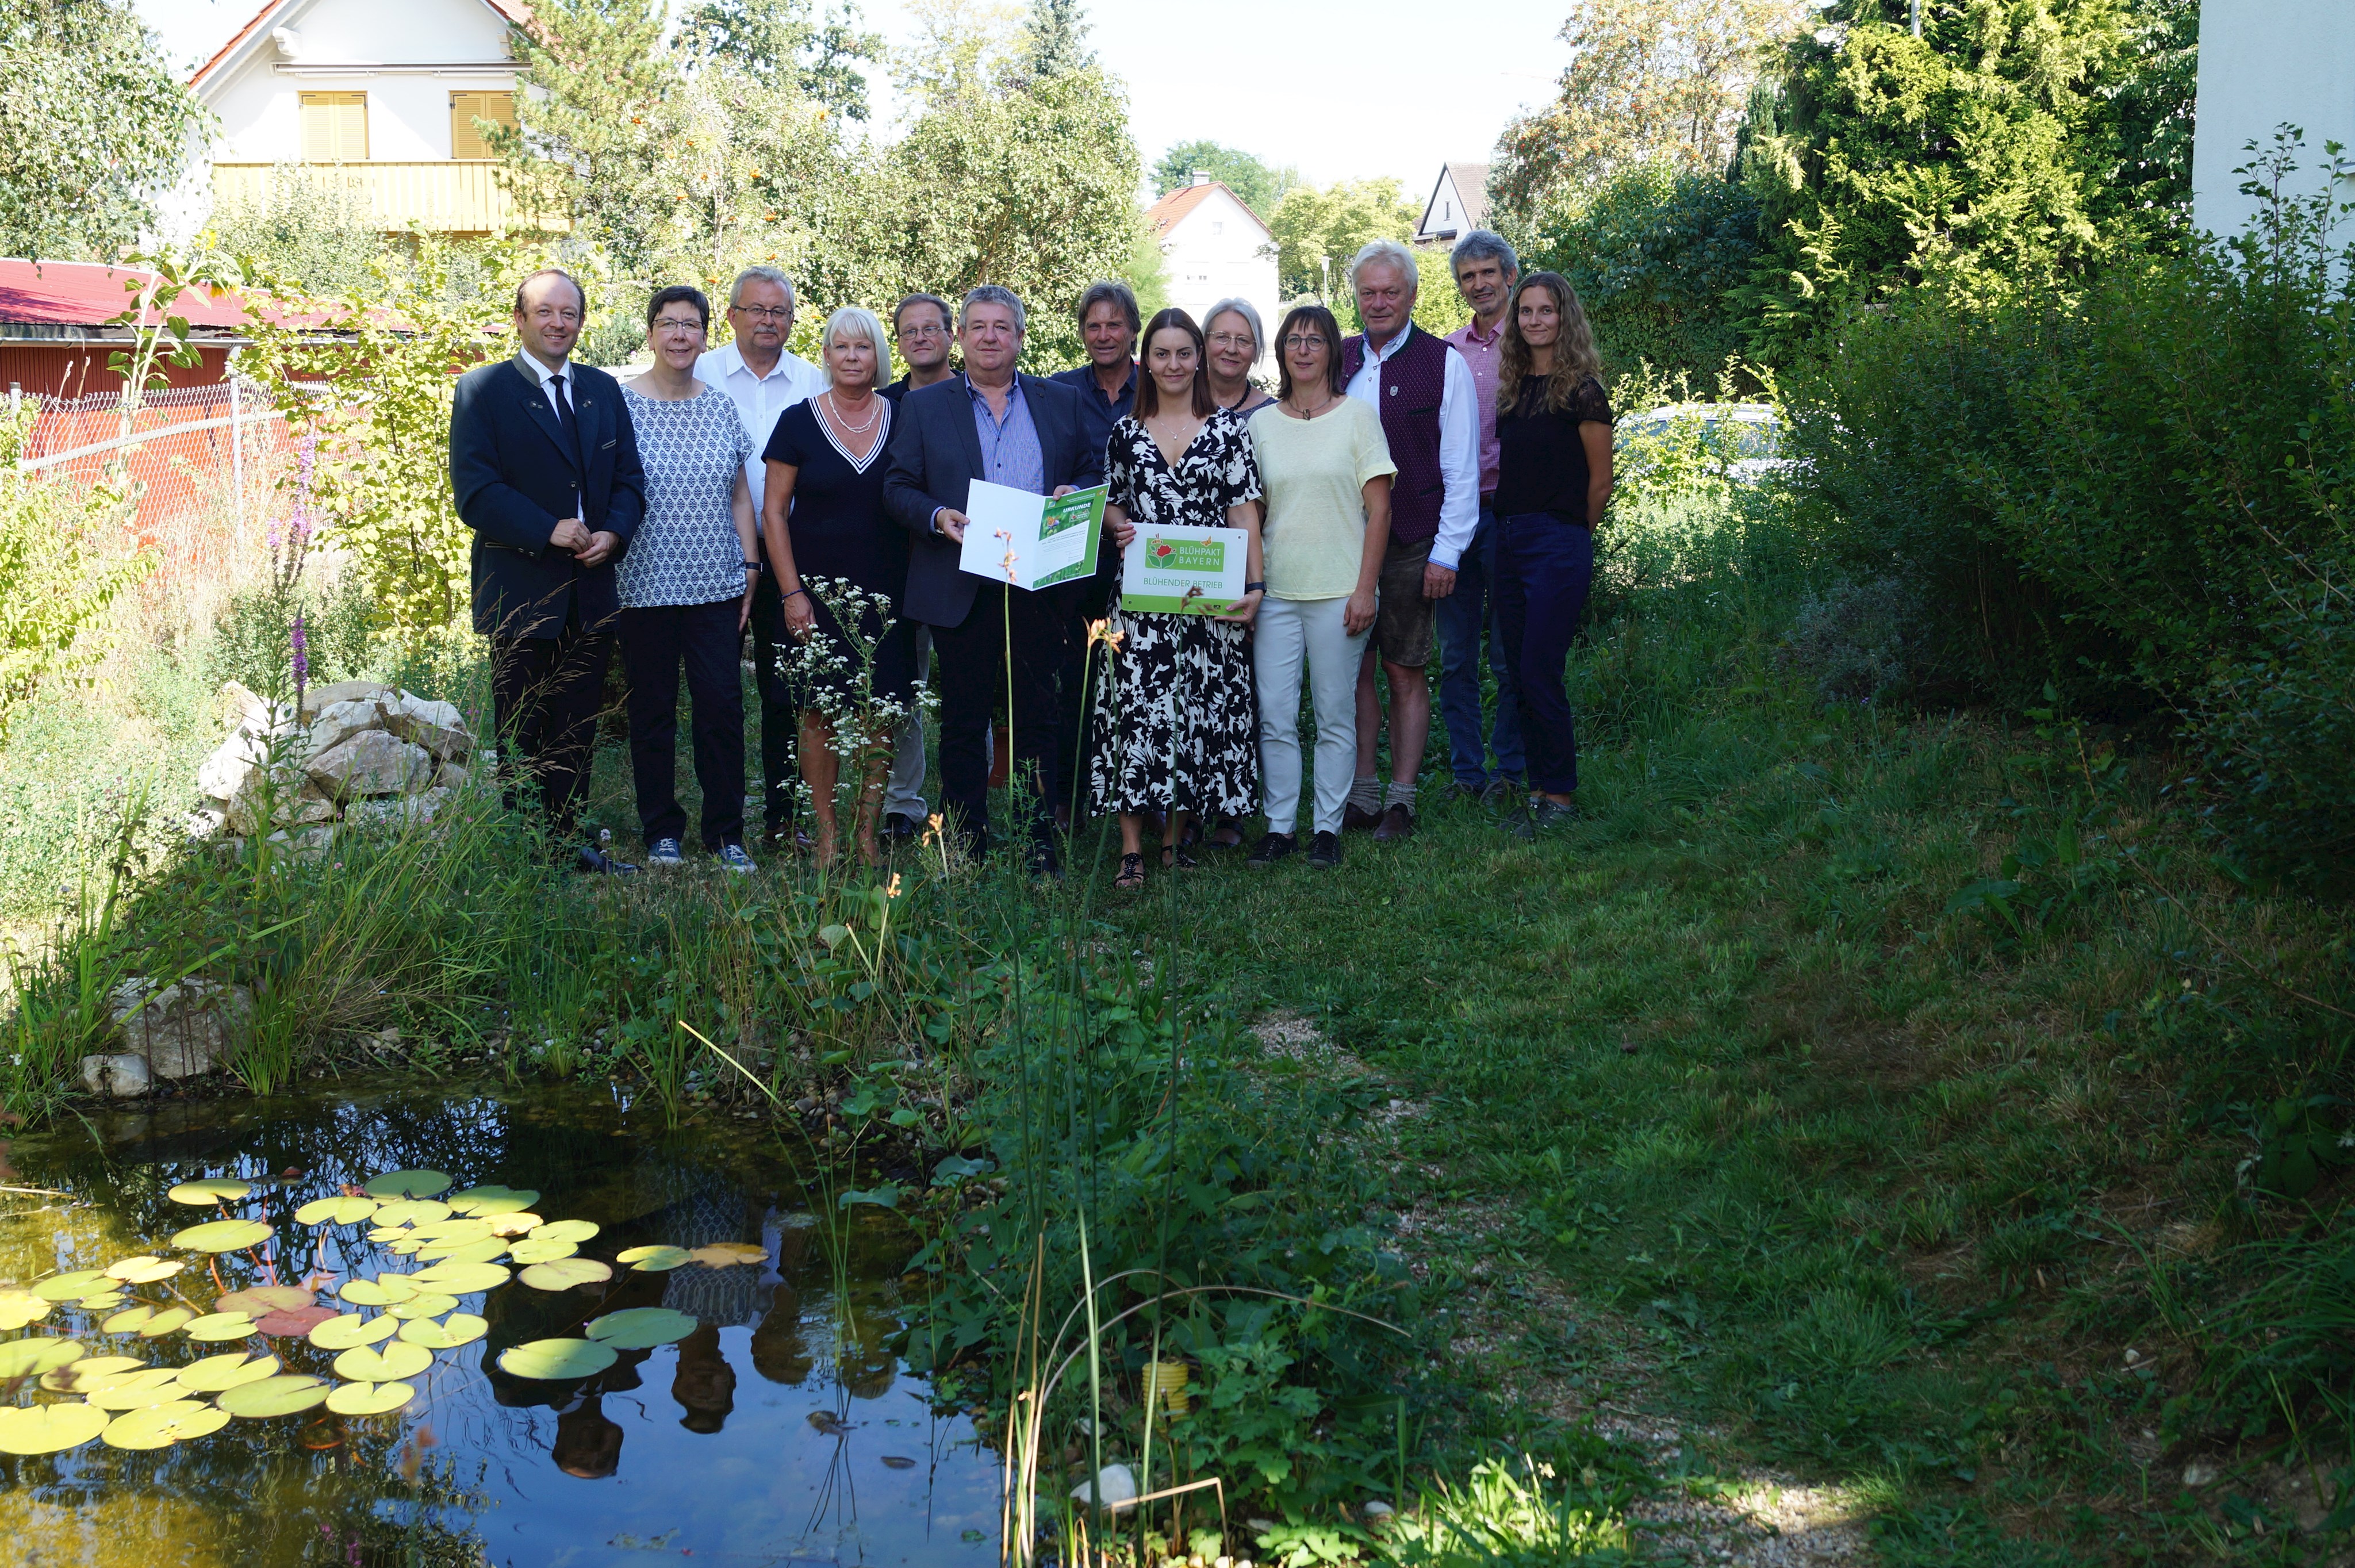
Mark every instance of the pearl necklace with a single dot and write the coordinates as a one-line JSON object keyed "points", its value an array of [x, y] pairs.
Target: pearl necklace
{"points": [[835, 401]]}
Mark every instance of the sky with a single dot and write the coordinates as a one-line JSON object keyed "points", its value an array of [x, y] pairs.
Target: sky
{"points": [[1341, 89]]}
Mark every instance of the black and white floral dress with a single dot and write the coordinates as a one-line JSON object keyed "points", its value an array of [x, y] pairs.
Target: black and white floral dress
{"points": [[1175, 723]]}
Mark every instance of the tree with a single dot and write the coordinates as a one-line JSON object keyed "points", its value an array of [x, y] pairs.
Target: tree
{"points": [[783, 37], [1033, 187], [1318, 230], [962, 49], [1984, 154], [94, 127], [1647, 80], [1251, 177], [1057, 38]]}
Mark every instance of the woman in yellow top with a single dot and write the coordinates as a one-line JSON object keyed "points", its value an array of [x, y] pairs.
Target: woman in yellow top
{"points": [[1326, 469]]}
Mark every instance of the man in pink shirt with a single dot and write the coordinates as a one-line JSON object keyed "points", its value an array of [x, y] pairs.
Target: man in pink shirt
{"points": [[1486, 270]]}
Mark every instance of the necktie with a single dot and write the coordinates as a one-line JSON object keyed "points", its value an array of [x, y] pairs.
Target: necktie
{"points": [[567, 420]]}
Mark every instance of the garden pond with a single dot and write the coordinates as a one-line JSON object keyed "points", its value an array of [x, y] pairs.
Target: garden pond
{"points": [[525, 1328]]}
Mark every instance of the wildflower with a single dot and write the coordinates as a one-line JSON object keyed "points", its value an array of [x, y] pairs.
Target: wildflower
{"points": [[1007, 562], [1104, 632], [302, 656]]}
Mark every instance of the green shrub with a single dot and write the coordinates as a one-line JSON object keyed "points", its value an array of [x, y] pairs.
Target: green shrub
{"points": [[58, 579], [1854, 640], [252, 642]]}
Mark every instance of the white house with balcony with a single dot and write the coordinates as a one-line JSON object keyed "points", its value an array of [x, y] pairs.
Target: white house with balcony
{"points": [[390, 99], [2264, 64], [1213, 247]]}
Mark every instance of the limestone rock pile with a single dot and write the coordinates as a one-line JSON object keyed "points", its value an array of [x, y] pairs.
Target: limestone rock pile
{"points": [[359, 754]]}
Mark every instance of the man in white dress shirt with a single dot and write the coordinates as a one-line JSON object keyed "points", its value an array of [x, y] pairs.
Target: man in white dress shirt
{"points": [[763, 378], [1423, 390]]}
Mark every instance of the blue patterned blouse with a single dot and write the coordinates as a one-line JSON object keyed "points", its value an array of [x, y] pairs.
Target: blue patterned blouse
{"points": [[685, 552]]}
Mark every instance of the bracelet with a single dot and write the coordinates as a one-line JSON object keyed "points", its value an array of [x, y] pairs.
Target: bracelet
{"points": [[754, 566], [790, 592], [1254, 587]]}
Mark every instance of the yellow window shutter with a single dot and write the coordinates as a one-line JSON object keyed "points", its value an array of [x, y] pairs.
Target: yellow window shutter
{"points": [[334, 127], [466, 108]]}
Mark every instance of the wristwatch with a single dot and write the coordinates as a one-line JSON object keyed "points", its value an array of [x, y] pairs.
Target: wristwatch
{"points": [[754, 566]]}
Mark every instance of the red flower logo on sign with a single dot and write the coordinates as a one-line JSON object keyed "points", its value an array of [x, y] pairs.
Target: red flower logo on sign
{"points": [[1160, 550]]}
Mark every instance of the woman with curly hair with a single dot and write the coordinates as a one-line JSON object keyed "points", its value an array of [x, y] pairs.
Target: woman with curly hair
{"points": [[1553, 480]]}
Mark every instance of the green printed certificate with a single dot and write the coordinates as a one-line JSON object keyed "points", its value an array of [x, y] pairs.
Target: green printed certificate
{"points": [[1184, 572], [1031, 541]]}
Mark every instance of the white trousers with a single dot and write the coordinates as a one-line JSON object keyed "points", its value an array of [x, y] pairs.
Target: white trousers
{"points": [[1287, 635], [903, 795]]}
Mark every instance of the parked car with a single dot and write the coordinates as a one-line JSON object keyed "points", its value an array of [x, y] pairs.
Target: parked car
{"points": [[1746, 437]]}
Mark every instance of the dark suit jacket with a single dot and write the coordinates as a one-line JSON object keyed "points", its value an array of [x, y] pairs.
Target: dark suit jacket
{"points": [[936, 454], [515, 479]]}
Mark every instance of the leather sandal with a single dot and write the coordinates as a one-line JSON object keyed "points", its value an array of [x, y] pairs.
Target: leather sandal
{"points": [[1132, 873]]}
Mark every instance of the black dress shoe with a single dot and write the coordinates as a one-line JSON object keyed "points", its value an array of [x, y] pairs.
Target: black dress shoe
{"points": [[1324, 851], [1356, 818], [900, 827], [1398, 822], [597, 862], [1275, 847]]}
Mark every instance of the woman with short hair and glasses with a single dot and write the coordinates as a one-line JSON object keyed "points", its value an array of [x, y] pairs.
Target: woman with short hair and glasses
{"points": [[1174, 711], [1553, 481], [1328, 469], [687, 586]]}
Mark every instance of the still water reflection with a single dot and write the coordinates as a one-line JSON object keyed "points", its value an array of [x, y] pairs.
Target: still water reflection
{"points": [[781, 1430]]}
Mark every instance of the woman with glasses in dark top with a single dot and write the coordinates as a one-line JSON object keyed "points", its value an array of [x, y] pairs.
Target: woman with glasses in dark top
{"points": [[1553, 481]]}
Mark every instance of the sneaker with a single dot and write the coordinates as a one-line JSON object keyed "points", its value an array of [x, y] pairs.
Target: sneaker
{"points": [[1397, 823], [733, 858], [1460, 790], [1356, 818], [1324, 851], [1542, 817], [1502, 794], [1271, 848], [665, 852]]}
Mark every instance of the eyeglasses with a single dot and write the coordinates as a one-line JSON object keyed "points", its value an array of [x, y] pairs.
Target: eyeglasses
{"points": [[1234, 340], [677, 324], [763, 311], [908, 332], [1298, 341]]}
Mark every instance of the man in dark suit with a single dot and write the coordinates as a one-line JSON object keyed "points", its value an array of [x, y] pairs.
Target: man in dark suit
{"points": [[544, 467], [992, 422]]}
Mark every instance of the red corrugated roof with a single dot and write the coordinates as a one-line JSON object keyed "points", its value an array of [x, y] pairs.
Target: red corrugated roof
{"points": [[91, 294]]}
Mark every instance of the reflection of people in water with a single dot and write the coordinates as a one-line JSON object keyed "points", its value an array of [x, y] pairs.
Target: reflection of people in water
{"points": [[778, 1353], [588, 1444], [704, 1385]]}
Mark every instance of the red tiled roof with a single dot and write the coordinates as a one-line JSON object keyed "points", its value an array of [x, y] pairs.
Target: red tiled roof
{"points": [[514, 11], [90, 293], [1171, 210]]}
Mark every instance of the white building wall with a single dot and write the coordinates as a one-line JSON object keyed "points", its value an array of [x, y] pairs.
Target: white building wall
{"points": [[2262, 63], [1213, 253], [409, 110]]}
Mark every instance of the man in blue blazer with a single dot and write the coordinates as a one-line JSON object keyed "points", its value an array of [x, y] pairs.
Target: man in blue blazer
{"points": [[545, 468], [992, 422]]}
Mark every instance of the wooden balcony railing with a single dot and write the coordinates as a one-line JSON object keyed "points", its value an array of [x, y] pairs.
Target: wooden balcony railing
{"points": [[453, 195]]}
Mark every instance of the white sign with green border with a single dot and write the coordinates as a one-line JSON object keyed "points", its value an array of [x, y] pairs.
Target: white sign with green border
{"points": [[1184, 571]]}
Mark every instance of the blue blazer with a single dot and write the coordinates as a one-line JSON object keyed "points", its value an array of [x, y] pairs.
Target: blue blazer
{"points": [[515, 479], [936, 454]]}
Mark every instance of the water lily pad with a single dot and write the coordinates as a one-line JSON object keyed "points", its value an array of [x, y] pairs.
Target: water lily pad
{"points": [[488, 1249], [214, 1375], [30, 1357], [214, 1190], [427, 1304], [458, 1328], [554, 1359], [282, 1395], [383, 1363], [165, 1321], [144, 1270], [450, 1278], [641, 1328], [515, 1224], [566, 1231], [534, 1250], [493, 1200], [564, 1274], [161, 1425], [50, 1428], [381, 1291], [292, 1325], [72, 1287], [453, 1230], [90, 1373], [654, 1260], [407, 1184], [369, 1399], [215, 1327], [135, 1391], [337, 1210], [20, 1306], [409, 1212], [127, 1320], [729, 1254], [257, 1299], [222, 1236], [351, 1328], [104, 1301]]}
